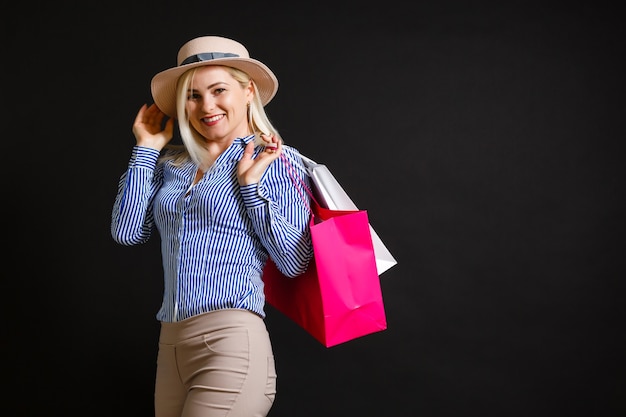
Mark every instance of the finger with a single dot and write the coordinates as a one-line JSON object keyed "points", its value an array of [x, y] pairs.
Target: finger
{"points": [[156, 115], [272, 143], [266, 138], [248, 151], [140, 113], [274, 147], [169, 127]]}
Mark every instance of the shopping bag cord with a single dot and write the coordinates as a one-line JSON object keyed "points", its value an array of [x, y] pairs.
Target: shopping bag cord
{"points": [[293, 175]]}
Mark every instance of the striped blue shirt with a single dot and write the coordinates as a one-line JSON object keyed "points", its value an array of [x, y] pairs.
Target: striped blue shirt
{"points": [[216, 235]]}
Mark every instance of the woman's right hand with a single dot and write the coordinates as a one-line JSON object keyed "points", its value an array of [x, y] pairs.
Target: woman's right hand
{"points": [[148, 128]]}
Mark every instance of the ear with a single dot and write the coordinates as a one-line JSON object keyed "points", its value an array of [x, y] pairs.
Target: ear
{"points": [[249, 92]]}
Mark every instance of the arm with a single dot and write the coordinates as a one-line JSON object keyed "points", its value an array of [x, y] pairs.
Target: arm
{"points": [[132, 218], [279, 209]]}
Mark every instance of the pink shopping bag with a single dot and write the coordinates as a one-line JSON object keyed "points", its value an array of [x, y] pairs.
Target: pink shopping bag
{"points": [[339, 297]]}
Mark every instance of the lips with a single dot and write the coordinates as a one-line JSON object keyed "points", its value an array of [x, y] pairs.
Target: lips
{"points": [[212, 119]]}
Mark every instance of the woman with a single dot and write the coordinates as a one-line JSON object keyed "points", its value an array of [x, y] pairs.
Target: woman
{"points": [[223, 202]]}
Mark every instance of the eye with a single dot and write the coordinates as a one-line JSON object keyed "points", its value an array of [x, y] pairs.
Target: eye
{"points": [[219, 90], [193, 96]]}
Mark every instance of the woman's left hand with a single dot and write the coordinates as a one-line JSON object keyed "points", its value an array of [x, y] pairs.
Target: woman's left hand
{"points": [[250, 170]]}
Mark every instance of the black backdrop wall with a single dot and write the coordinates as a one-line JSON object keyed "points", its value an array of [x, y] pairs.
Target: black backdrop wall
{"points": [[485, 141]]}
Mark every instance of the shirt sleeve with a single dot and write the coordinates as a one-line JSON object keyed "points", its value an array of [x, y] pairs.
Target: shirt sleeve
{"points": [[132, 218], [278, 207]]}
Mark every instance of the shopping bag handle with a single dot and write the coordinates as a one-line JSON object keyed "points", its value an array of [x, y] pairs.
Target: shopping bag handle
{"points": [[293, 175], [307, 159]]}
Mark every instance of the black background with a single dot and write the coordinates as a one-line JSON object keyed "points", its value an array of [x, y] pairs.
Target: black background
{"points": [[484, 139]]}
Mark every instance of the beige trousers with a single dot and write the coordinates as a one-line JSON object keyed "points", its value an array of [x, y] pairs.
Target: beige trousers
{"points": [[217, 364]]}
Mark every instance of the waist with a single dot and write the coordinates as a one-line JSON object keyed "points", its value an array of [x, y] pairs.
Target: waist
{"points": [[174, 332]]}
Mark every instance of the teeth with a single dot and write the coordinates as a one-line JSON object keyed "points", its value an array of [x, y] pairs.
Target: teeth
{"points": [[213, 119]]}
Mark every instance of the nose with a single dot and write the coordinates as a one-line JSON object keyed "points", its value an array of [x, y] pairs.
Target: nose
{"points": [[208, 103]]}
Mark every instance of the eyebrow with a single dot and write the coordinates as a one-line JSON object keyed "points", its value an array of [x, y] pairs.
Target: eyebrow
{"points": [[210, 86]]}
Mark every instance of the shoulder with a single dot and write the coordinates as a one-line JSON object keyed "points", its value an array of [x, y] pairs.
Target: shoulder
{"points": [[293, 154]]}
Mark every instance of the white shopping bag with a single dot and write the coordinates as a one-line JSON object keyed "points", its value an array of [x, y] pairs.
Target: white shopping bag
{"points": [[330, 194]]}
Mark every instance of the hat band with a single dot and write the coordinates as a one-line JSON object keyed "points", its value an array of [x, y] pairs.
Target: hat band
{"points": [[207, 56]]}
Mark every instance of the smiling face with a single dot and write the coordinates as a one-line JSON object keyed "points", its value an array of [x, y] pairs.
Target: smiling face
{"points": [[217, 105]]}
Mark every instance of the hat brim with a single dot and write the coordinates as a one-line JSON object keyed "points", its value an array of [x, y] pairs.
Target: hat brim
{"points": [[163, 85]]}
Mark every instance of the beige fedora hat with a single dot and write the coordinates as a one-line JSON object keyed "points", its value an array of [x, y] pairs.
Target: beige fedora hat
{"points": [[211, 50]]}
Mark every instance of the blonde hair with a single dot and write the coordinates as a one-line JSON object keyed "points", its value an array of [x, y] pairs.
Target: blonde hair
{"points": [[193, 143]]}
